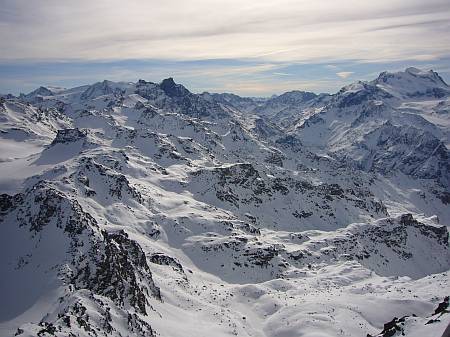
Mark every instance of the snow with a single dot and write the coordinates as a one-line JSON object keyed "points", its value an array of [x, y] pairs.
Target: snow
{"points": [[229, 216]]}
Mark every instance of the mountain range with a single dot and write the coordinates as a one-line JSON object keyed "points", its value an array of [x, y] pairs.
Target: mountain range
{"points": [[143, 209]]}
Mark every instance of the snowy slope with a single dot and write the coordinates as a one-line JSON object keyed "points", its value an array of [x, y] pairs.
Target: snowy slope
{"points": [[385, 125], [142, 209]]}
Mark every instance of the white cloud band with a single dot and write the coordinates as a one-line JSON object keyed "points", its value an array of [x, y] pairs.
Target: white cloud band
{"points": [[285, 30]]}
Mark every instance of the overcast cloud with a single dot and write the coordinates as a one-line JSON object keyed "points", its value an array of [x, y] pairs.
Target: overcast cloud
{"points": [[262, 31], [282, 30]]}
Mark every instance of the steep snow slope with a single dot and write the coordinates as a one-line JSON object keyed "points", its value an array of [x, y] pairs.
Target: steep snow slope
{"points": [[142, 209], [385, 126]]}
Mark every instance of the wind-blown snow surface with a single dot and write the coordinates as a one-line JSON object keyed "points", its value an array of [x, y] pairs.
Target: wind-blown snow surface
{"points": [[141, 209]]}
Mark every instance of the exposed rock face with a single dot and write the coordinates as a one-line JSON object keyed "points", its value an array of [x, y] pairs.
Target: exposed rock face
{"points": [[172, 89], [174, 97], [244, 188], [380, 246], [91, 263], [69, 136], [392, 152], [402, 326], [119, 272]]}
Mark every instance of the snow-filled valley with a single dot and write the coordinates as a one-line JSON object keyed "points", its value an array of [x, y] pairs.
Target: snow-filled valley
{"points": [[142, 209]]}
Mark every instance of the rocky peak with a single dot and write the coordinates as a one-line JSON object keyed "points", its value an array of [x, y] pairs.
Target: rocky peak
{"points": [[41, 91], [172, 89]]}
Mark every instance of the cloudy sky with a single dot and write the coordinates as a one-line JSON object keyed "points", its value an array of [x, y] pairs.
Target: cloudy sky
{"points": [[250, 47]]}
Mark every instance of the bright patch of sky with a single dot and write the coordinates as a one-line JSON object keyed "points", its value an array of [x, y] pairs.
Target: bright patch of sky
{"points": [[247, 47]]}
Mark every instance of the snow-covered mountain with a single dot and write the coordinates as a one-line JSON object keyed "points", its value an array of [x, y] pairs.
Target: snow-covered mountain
{"points": [[142, 209], [369, 124], [285, 108]]}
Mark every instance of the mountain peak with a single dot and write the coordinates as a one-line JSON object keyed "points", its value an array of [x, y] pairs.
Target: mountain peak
{"points": [[413, 70], [173, 89], [412, 82], [424, 73], [41, 91], [410, 72], [105, 87], [168, 81]]}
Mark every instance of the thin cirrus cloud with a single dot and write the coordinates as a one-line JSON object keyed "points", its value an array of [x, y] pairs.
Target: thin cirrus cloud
{"points": [[266, 33], [344, 74], [285, 30]]}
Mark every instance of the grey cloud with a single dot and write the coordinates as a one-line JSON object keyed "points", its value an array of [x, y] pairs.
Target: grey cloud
{"points": [[285, 30]]}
